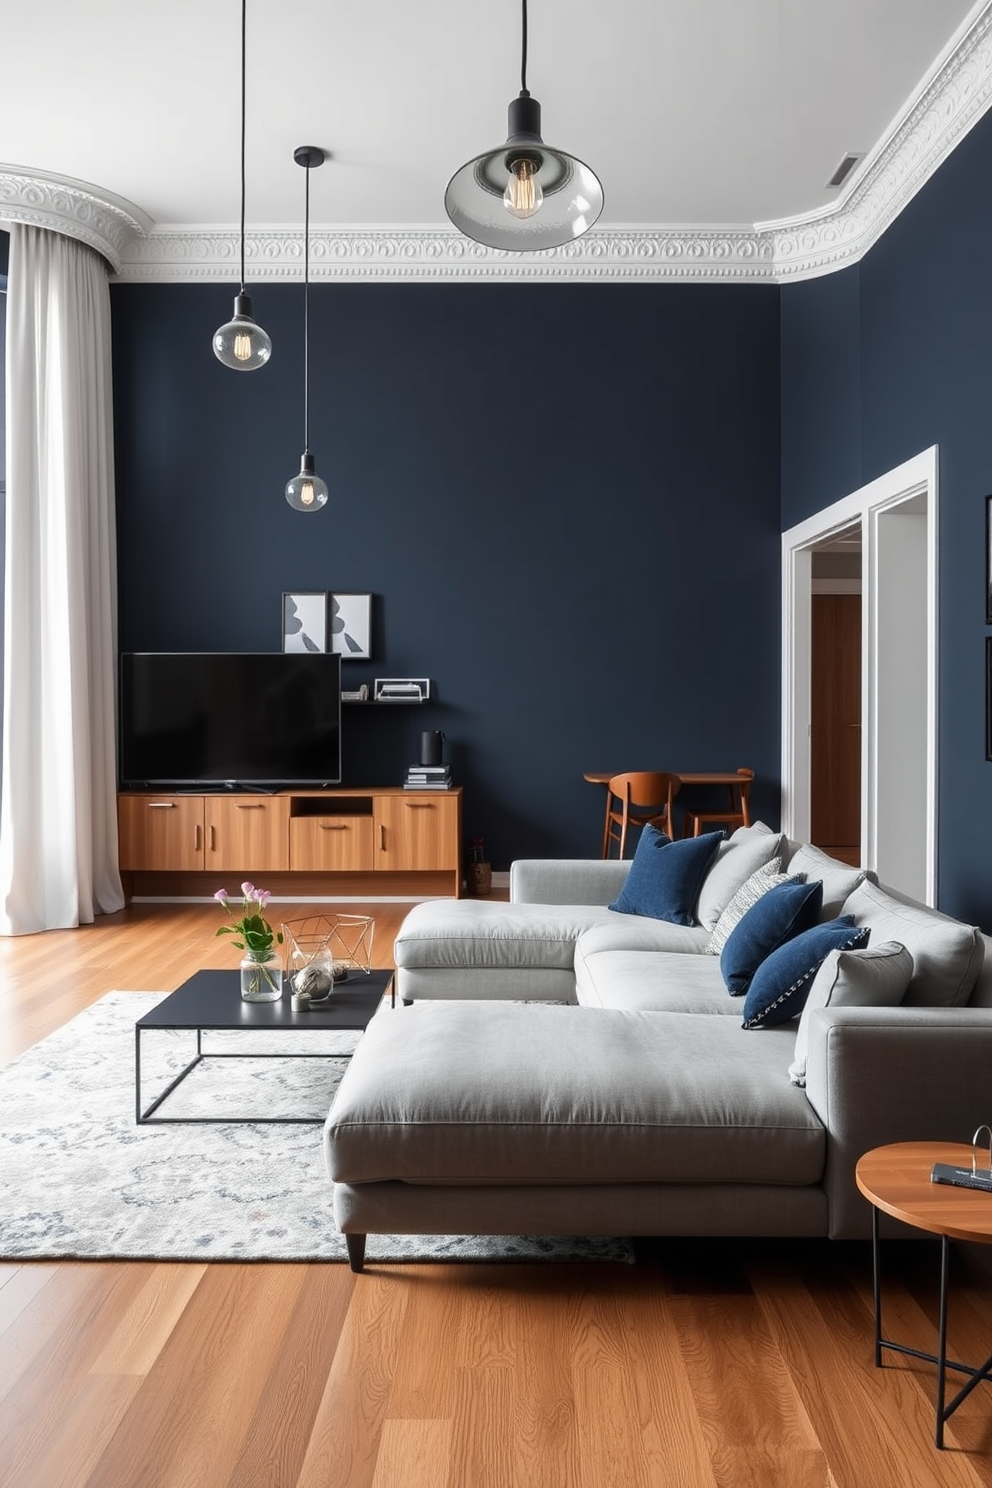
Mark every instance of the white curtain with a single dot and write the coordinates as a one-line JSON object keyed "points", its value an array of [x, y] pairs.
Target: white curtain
{"points": [[58, 810]]}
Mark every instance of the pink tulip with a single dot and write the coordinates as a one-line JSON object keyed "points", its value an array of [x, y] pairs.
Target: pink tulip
{"points": [[221, 897], [248, 890]]}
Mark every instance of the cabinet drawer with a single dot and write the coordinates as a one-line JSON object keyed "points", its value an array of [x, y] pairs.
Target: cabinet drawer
{"points": [[330, 844]]}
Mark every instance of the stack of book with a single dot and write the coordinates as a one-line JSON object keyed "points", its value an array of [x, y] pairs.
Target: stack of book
{"points": [[428, 777]]}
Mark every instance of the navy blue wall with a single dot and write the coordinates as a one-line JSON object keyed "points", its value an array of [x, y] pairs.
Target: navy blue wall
{"points": [[565, 499], [911, 330]]}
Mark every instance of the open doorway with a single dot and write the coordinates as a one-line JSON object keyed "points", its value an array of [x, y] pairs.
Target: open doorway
{"points": [[896, 517]]}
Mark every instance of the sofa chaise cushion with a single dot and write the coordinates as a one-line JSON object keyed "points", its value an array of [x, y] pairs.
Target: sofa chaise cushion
{"points": [[652, 980], [497, 1093], [464, 934]]}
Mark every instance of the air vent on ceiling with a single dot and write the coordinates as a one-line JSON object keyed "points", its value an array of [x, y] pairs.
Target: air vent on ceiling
{"points": [[842, 172]]}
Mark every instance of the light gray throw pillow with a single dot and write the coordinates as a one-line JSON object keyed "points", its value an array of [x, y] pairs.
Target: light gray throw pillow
{"points": [[838, 879], [947, 955], [748, 849], [763, 879], [874, 977]]}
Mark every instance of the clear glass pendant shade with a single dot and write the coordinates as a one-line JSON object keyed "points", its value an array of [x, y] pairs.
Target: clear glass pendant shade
{"points": [[241, 343], [306, 492], [572, 201], [524, 195]]}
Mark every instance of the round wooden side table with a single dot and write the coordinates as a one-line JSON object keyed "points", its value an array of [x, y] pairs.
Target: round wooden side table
{"points": [[896, 1180]]}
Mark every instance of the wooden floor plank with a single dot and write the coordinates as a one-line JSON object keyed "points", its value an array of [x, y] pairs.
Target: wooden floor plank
{"points": [[189, 1419], [413, 1454], [343, 1448], [144, 1328]]}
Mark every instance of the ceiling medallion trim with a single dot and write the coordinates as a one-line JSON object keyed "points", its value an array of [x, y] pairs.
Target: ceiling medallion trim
{"points": [[73, 208]]}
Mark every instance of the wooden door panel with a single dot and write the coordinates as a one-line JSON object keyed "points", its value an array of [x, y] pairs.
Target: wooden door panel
{"points": [[835, 721]]}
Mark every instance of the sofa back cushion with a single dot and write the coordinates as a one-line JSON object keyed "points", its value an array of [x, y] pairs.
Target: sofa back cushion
{"points": [[784, 911], [665, 876], [749, 849], [947, 955]]}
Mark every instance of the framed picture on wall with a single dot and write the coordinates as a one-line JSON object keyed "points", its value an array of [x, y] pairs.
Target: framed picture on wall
{"points": [[988, 697], [349, 624], [988, 560], [304, 621]]}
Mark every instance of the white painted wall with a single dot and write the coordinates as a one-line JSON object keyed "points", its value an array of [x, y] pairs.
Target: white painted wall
{"points": [[900, 683]]}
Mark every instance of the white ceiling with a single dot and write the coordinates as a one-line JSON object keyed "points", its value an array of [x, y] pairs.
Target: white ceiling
{"points": [[697, 112]]}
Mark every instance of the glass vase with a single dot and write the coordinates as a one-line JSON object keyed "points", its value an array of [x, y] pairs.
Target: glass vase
{"points": [[261, 978]]}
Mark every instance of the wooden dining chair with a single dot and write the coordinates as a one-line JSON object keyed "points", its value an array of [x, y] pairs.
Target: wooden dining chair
{"points": [[634, 799], [736, 814]]}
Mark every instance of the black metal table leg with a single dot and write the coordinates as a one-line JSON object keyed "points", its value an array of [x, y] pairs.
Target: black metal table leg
{"points": [[942, 1410]]}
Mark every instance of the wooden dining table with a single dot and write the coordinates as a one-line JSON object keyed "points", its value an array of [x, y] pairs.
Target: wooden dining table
{"points": [[732, 779]]}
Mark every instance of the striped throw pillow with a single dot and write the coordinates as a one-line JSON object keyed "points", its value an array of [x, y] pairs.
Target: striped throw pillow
{"points": [[753, 889]]}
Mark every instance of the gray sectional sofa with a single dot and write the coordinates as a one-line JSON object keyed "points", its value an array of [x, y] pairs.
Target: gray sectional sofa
{"points": [[558, 1067]]}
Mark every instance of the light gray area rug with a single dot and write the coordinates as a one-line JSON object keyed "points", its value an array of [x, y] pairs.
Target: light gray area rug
{"points": [[79, 1178]]}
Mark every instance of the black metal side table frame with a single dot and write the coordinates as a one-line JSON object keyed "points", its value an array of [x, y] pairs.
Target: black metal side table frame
{"points": [[940, 1359], [220, 995]]}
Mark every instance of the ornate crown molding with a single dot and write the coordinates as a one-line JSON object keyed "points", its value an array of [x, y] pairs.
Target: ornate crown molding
{"points": [[73, 208], [954, 97], [951, 99], [430, 253]]}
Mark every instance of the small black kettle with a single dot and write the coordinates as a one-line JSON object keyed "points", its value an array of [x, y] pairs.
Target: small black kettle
{"points": [[431, 741]]}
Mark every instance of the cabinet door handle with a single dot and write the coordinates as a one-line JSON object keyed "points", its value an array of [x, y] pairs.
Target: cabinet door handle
{"points": [[196, 838], [419, 805], [382, 838], [249, 805], [213, 839], [161, 805], [332, 826]]}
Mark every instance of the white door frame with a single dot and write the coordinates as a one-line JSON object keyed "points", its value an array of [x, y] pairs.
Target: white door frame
{"points": [[916, 481]]}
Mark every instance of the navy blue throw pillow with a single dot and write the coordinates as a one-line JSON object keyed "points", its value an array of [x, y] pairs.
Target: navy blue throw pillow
{"points": [[665, 876], [783, 912], [780, 986]]}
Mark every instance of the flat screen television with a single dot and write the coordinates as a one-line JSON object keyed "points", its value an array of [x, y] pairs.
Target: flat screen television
{"points": [[226, 719]]}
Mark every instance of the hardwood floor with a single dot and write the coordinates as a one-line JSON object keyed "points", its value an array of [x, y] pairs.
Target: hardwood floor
{"points": [[708, 1364]]}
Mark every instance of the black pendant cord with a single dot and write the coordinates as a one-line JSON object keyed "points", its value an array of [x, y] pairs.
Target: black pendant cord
{"points": [[244, 53], [523, 51], [306, 317]]}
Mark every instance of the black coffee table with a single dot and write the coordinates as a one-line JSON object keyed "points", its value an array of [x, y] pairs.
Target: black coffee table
{"points": [[211, 1001]]}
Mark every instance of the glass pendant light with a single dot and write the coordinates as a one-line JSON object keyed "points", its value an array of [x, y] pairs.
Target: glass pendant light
{"points": [[307, 492], [241, 343], [524, 195]]}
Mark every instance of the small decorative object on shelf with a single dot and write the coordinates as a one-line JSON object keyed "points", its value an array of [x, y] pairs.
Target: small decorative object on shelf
{"points": [[401, 689], [480, 873], [261, 967], [322, 950]]}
